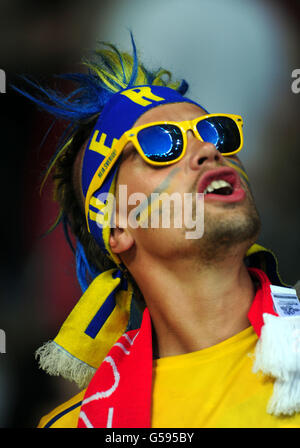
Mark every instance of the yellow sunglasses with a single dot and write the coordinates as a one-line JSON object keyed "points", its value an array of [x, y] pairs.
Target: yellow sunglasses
{"points": [[164, 142]]}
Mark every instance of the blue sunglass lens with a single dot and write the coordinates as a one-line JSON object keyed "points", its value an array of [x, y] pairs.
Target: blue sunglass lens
{"points": [[161, 143], [222, 132]]}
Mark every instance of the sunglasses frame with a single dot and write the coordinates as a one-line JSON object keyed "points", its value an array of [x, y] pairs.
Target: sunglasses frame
{"points": [[184, 126], [131, 136]]}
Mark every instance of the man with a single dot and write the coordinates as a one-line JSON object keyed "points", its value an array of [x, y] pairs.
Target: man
{"points": [[214, 311]]}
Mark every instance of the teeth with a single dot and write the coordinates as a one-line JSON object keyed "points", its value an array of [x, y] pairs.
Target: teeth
{"points": [[215, 185]]}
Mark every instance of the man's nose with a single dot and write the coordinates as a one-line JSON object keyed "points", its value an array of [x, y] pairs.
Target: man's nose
{"points": [[203, 152]]}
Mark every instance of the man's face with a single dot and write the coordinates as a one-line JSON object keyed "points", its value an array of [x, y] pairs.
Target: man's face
{"points": [[228, 219]]}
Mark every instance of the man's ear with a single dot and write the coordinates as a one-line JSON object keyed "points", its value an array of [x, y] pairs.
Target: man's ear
{"points": [[120, 240]]}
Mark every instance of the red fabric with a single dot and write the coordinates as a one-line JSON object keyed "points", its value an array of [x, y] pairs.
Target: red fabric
{"points": [[262, 303], [119, 395], [122, 385]]}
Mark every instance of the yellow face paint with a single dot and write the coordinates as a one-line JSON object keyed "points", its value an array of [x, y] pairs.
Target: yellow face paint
{"points": [[238, 167]]}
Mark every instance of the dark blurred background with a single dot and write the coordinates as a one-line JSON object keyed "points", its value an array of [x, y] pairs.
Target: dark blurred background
{"points": [[238, 56]]}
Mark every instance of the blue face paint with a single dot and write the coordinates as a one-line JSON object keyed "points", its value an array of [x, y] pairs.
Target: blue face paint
{"points": [[117, 117]]}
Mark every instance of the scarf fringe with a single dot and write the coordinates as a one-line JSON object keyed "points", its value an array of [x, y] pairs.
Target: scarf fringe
{"points": [[286, 396], [278, 354], [56, 361]]}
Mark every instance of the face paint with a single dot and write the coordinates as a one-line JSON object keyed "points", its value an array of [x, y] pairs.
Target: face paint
{"points": [[239, 168], [151, 204]]}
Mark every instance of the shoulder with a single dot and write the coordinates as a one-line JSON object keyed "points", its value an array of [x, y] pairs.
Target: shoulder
{"points": [[65, 415]]}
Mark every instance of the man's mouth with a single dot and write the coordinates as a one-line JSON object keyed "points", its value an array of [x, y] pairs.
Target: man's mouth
{"points": [[221, 184]]}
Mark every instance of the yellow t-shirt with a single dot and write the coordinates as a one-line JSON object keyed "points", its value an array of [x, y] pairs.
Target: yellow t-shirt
{"points": [[214, 388], [210, 388], [65, 415]]}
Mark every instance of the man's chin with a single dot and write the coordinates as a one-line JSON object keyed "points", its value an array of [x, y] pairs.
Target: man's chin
{"points": [[226, 232]]}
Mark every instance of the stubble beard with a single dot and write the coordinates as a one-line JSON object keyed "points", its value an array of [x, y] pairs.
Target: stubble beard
{"points": [[238, 225]]}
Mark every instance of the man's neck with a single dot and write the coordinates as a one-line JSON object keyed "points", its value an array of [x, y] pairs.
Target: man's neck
{"points": [[195, 307]]}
